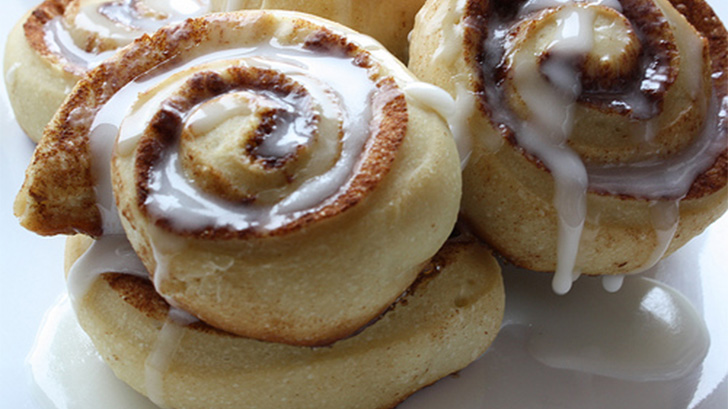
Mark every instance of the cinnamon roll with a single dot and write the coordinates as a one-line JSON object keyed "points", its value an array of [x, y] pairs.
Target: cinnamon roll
{"points": [[442, 323], [270, 169], [593, 132], [59, 40]]}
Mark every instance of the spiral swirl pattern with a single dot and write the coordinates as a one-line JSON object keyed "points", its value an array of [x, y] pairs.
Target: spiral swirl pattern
{"points": [[297, 148], [608, 113], [254, 156]]}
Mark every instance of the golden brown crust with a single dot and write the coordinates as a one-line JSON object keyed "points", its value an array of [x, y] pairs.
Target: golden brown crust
{"points": [[57, 196]]}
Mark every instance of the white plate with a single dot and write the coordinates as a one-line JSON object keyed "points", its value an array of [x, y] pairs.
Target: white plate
{"points": [[508, 376]]}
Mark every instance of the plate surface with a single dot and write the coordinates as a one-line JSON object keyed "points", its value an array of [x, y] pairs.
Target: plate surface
{"points": [[513, 374]]}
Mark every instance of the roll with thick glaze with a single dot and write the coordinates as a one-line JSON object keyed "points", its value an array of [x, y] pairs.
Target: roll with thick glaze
{"points": [[594, 131], [269, 169]]}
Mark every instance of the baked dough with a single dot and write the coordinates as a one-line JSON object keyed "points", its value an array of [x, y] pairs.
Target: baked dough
{"points": [[446, 320]]}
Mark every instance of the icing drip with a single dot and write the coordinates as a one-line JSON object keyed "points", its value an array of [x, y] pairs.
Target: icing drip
{"points": [[665, 217], [612, 283], [160, 359], [110, 253], [11, 72], [464, 108], [9, 79], [114, 254], [454, 111], [433, 97], [545, 135]]}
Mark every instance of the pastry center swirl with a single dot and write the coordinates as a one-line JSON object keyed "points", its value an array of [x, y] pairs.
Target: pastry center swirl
{"points": [[250, 140], [248, 135]]}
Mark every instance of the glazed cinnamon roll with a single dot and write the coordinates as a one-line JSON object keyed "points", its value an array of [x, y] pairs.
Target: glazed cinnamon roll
{"points": [[270, 170], [593, 133], [442, 323], [59, 40]]}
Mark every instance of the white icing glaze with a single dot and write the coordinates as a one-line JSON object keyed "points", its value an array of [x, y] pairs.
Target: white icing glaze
{"points": [[110, 253], [646, 333], [11, 72], [126, 20], [665, 217], [163, 248], [545, 135], [60, 43], [612, 283], [531, 6], [113, 253], [691, 46], [460, 127], [211, 114], [68, 372], [433, 97], [159, 360], [177, 198], [454, 111], [290, 132], [671, 177]]}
